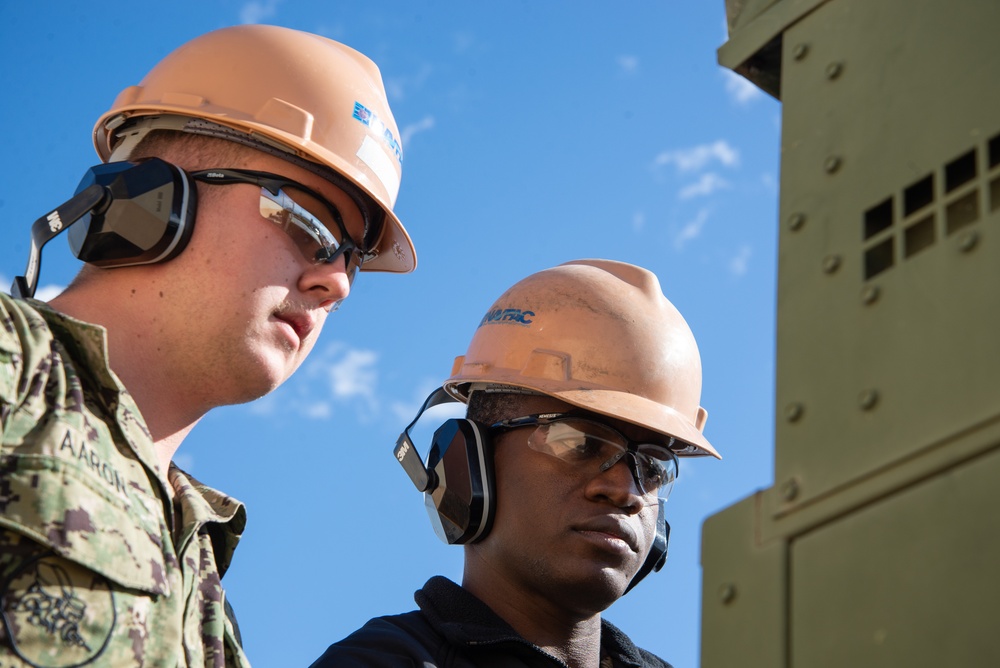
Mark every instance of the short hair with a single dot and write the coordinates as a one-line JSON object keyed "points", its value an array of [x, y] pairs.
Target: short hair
{"points": [[202, 151], [491, 407]]}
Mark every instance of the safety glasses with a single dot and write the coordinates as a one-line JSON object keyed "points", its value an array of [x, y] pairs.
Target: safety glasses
{"points": [[311, 221], [593, 447]]}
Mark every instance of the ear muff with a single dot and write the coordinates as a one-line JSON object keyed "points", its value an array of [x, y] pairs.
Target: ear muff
{"points": [[658, 552], [461, 505], [457, 481], [123, 213], [149, 217]]}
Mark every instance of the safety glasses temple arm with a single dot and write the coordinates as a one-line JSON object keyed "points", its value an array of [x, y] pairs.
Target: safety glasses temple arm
{"points": [[48, 227]]}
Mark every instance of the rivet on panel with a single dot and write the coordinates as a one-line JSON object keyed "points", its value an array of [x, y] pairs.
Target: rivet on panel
{"points": [[727, 593], [831, 263], [794, 411], [800, 50], [833, 70], [796, 221], [789, 489], [968, 241], [832, 164], [868, 399], [870, 294]]}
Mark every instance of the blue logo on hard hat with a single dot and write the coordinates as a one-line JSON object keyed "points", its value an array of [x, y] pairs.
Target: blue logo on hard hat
{"points": [[369, 118], [502, 316]]}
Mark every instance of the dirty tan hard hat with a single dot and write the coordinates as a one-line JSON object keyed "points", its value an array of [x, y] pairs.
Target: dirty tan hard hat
{"points": [[598, 335], [301, 93]]}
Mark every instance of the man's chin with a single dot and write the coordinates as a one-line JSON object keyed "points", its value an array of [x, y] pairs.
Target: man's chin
{"points": [[594, 593]]}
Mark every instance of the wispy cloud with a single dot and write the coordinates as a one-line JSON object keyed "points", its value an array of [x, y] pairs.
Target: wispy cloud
{"points": [[638, 221], [691, 230], [42, 293], [697, 157], [397, 87], [353, 375], [741, 261], [740, 89], [334, 375], [258, 10], [47, 292], [628, 64], [424, 124], [706, 185]]}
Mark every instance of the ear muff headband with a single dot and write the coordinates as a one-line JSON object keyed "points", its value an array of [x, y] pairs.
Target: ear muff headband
{"points": [[123, 214], [457, 480]]}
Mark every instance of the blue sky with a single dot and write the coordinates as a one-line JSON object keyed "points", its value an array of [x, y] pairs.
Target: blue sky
{"points": [[533, 133]]}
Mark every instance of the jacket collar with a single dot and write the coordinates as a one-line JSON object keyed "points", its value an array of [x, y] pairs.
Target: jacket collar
{"points": [[466, 621]]}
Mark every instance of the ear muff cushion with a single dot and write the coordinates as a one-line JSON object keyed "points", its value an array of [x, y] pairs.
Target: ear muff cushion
{"points": [[149, 217], [657, 556], [461, 506]]}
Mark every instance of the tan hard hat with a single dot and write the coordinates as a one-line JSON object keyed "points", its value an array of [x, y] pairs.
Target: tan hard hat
{"points": [[305, 94], [598, 335]]}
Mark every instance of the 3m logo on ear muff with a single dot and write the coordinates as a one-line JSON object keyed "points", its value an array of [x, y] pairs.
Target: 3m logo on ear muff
{"points": [[123, 214]]}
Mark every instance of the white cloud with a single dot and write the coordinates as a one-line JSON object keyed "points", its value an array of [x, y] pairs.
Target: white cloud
{"points": [[628, 64], [397, 87], [638, 221], [317, 410], [706, 185], [407, 133], [691, 230], [738, 265], [740, 89], [42, 293], [47, 292], [331, 376], [354, 375], [258, 10], [697, 157]]}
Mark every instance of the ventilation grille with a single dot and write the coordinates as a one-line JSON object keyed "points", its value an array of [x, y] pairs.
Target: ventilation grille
{"points": [[935, 206]]}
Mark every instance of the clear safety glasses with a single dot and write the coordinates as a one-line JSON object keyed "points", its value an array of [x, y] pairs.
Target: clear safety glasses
{"points": [[311, 221], [593, 447]]}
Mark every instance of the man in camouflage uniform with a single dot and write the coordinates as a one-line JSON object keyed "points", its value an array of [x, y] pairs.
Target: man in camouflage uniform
{"points": [[110, 555]]}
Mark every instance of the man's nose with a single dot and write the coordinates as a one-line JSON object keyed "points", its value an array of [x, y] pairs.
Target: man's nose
{"points": [[326, 282], [624, 480]]}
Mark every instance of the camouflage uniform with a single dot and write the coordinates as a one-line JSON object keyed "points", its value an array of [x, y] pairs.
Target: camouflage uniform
{"points": [[97, 566]]}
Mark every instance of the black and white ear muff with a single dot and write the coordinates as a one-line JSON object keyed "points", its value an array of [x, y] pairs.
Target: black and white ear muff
{"points": [[123, 213], [457, 480], [658, 552]]}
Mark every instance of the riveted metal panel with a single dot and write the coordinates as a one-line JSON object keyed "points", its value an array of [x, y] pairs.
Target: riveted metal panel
{"points": [[743, 593], [908, 581], [887, 293]]}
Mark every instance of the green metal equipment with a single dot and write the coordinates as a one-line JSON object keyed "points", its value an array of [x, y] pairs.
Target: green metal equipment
{"points": [[879, 544]]}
